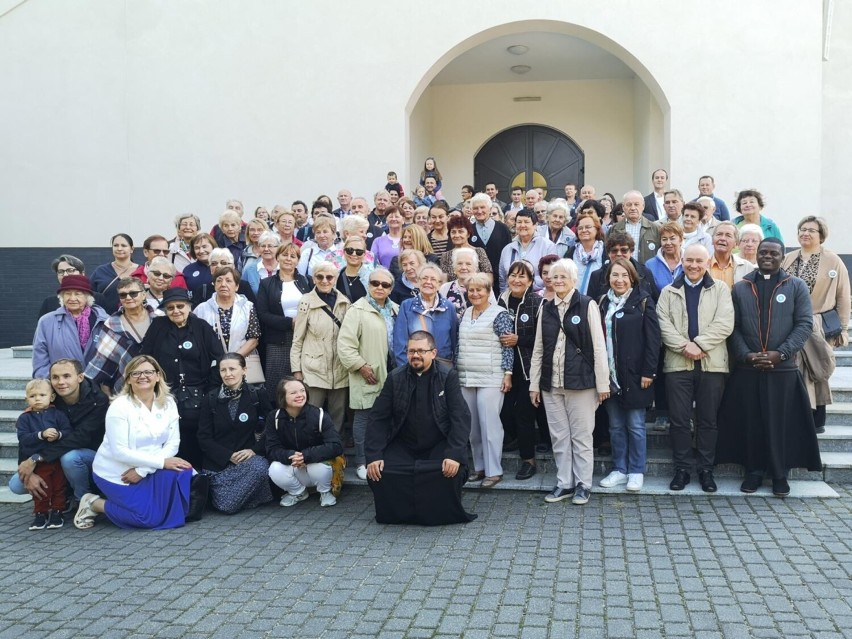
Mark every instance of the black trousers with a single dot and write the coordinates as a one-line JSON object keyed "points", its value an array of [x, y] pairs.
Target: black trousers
{"points": [[519, 416], [705, 389]]}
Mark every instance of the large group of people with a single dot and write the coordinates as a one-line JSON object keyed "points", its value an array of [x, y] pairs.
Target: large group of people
{"points": [[238, 364]]}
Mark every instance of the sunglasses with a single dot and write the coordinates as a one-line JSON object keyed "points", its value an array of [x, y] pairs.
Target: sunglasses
{"points": [[130, 294], [354, 251], [324, 278], [159, 251], [165, 276], [385, 285]]}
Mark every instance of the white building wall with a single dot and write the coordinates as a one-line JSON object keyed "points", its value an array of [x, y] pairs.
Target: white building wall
{"points": [[119, 115]]}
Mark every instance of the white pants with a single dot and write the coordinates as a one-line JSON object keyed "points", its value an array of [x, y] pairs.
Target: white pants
{"points": [[571, 418], [486, 429], [296, 480]]}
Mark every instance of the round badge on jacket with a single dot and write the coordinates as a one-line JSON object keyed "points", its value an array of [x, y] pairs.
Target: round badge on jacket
{"points": [[525, 318], [575, 320], [832, 274], [620, 314], [243, 417], [781, 298], [196, 273], [651, 246], [187, 345]]}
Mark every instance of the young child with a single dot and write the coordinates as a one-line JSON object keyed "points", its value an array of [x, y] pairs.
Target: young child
{"points": [[420, 196], [394, 185], [38, 426], [430, 169]]}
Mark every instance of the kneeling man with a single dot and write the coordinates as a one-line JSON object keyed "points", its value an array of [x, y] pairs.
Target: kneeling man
{"points": [[416, 443]]}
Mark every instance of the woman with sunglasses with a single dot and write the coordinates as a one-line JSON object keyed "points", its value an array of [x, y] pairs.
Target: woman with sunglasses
{"points": [[120, 338], [364, 347], [313, 356], [353, 278], [161, 277]]}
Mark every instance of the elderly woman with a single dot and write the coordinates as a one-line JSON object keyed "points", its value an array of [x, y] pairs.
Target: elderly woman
{"points": [[461, 230], [188, 226], [364, 345], [633, 350], [234, 319], [353, 226], [388, 245], [751, 235], [144, 483], [352, 279], [750, 205], [588, 253], [665, 266], [232, 236], [556, 229], [261, 213], [526, 246], [708, 220], [465, 261], [160, 274], [569, 370], [188, 351], [544, 265], [251, 254], [105, 278], [319, 249], [828, 283], [518, 415], [264, 264], [71, 331], [230, 434], [496, 212], [692, 232], [301, 441], [406, 285], [313, 356], [220, 258], [198, 273], [62, 266], [421, 218], [285, 226], [485, 367], [413, 237], [426, 311], [277, 303], [121, 336]]}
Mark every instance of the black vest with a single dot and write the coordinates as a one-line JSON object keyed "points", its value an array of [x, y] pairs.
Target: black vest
{"points": [[579, 371]]}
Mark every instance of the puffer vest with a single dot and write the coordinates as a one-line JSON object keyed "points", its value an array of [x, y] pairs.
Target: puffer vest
{"points": [[479, 362], [579, 369]]}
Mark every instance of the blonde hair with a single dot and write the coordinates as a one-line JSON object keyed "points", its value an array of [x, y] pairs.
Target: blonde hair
{"points": [[35, 383], [418, 238], [162, 392], [481, 280], [230, 216]]}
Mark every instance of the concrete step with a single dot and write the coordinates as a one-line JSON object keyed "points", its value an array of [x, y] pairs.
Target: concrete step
{"points": [[22, 352], [12, 400], [838, 467], [11, 382], [7, 420], [839, 413], [837, 438], [8, 497], [8, 445], [8, 467], [728, 487]]}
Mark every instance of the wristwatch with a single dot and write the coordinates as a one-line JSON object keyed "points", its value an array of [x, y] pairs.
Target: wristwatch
{"points": [[783, 357], [36, 458]]}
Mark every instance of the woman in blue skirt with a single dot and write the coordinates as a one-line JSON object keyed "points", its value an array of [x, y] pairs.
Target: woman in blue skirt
{"points": [[143, 483]]}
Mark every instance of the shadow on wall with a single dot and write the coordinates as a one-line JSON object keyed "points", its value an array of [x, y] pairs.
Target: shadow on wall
{"points": [[28, 279]]}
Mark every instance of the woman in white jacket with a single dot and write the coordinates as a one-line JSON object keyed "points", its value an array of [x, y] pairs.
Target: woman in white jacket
{"points": [[135, 468]]}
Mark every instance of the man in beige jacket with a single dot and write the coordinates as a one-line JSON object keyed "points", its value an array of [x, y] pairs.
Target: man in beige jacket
{"points": [[696, 317]]}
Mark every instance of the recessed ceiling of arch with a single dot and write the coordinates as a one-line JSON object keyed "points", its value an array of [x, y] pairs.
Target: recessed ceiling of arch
{"points": [[551, 56]]}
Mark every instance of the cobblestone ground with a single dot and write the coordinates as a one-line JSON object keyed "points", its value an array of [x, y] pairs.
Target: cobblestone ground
{"points": [[619, 567]]}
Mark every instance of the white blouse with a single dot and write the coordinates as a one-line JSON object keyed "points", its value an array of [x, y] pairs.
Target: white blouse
{"points": [[290, 296], [136, 438]]}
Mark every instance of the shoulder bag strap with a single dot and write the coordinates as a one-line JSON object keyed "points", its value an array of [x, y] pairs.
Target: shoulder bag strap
{"points": [[333, 317]]}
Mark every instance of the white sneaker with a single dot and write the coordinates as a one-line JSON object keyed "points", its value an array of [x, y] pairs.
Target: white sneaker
{"points": [[635, 481], [615, 478], [327, 499], [361, 471], [289, 500]]}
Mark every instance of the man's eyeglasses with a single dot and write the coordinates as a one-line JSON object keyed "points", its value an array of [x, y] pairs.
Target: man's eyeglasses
{"points": [[324, 278], [385, 285], [165, 276], [147, 374], [354, 251], [130, 294], [66, 271], [419, 351], [164, 251]]}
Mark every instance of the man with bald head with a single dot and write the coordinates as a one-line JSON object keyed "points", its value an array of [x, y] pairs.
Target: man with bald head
{"points": [[696, 317], [532, 197], [344, 198], [645, 234], [587, 192]]}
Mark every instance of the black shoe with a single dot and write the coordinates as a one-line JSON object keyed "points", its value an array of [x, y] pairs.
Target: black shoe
{"points": [[751, 483], [55, 520], [527, 470], [708, 484], [780, 487], [71, 506], [558, 494], [581, 495], [510, 445], [820, 430], [543, 448], [681, 479], [39, 522]]}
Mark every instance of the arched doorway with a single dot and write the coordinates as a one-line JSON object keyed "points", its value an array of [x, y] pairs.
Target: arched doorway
{"points": [[529, 156]]}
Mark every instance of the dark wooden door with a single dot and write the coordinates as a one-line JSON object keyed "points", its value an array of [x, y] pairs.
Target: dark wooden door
{"points": [[529, 156]]}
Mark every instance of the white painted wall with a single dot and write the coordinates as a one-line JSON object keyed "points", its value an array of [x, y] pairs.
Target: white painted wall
{"points": [[116, 116]]}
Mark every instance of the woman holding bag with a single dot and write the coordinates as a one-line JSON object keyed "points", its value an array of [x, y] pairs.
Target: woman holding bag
{"points": [[234, 319], [828, 282]]}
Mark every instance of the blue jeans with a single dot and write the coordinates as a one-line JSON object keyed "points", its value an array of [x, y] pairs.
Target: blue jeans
{"points": [[77, 466], [627, 437]]}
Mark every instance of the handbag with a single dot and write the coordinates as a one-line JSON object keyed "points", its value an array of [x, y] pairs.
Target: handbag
{"points": [[831, 327], [338, 464], [199, 490], [189, 399], [254, 371]]}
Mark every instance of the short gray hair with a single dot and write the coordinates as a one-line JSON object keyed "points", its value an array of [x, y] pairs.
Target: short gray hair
{"points": [[466, 250]]}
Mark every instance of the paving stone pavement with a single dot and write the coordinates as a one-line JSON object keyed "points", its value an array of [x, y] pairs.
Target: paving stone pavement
{"points": [[621, 566]]}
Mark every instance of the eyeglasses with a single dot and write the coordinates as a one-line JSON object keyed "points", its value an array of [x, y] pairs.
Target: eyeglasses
{"points": [[66, 271], [801, 230], [324, 278], [165, 276], [130, 294], [419, 351], [164, 251], [222, 263], [619, 250], [385, 285], [354, 251], [148, 373]]}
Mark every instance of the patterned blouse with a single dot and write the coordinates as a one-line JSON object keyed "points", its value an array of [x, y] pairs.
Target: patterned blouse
{"points": [[807, 270], [252, 332]]}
